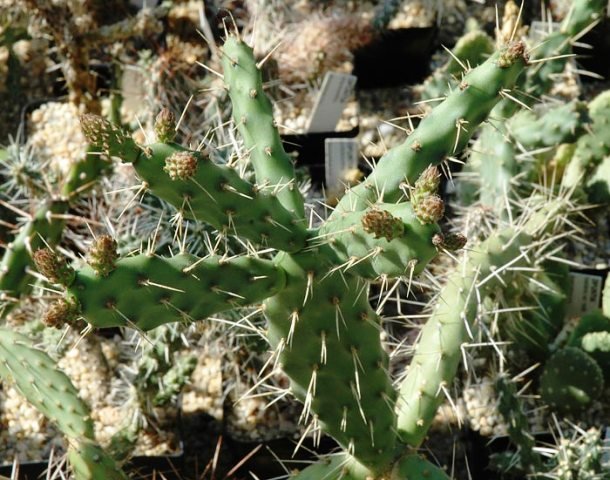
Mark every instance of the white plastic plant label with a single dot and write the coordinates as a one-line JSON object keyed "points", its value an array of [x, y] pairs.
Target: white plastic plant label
{"points": [[334, 93], [340, 157], [585, 293]]}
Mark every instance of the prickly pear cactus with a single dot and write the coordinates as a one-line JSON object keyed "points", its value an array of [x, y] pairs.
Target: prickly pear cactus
{"points": [[571, 380], [52, 393]]}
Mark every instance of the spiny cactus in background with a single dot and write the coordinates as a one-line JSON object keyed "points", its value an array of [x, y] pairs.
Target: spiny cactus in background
{"points": [[43, 228], [51, 391], [510, 135], [588, 159], [526, 459], [571, 380], [314, 292]]}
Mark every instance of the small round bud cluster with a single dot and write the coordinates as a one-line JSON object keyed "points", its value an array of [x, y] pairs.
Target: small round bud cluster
{"points": [[511, 54], [165, 126], [427, 205], [382, 223], [60, 313], [103, 255], [52, 266], [182, 165], [429, 209], [428, 182], [450, 242]]}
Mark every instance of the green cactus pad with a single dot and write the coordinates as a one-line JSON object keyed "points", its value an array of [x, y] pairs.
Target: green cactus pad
{"points": [[593, 322], [542, 75], [534, 330], [253, 115], [441, 134], [334, 467], [216, 194], [407, 254], [147, 291], [512, 410], [571, 380], [438, 352], [43, 229], [332, 352], [44, 385], [415, 467], [471, 49], [598, 184], [592, 148], [90, 462], [556, 125]]}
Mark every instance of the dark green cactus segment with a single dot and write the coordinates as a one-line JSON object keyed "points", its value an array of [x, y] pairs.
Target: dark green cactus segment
{"points": [[541, 77], [512, 409], [147, 291], [85, 173], [561, 124], [591, 323], [103, 255], [493, 165], [90, 462], [110, 138], [534, 330], [335, 467], [40, 231], [415, 467], [217, 195], [582, 14], [365, 255], [443, 133], [165, 126], [328, 337], [571, 380], [592, 148], [438, 352], [47, 388], [253, 115], [598, 183], [54, 267], [471, 49]]}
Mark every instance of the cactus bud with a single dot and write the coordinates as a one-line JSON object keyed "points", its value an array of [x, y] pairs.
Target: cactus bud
{"points": [[165, 126], [182, 165], [450, 242], [110, 138], [429, 209], [60, 313], [511, 54], [428, 182], [52, 266], [382, 223], [102, 255]]}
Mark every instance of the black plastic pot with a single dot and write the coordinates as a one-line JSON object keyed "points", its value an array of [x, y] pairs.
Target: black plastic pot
{"points": [[311, 150], [140, 467], [396, 57]]}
